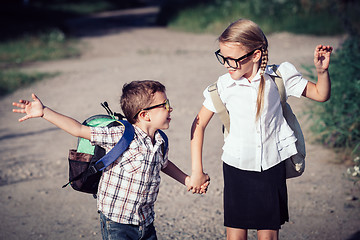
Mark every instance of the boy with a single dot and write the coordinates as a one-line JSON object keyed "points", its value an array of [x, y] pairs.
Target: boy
{"points": [[128, 188]]}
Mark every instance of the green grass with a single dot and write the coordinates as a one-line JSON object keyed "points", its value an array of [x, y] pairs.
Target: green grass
{"points": [[305, 17], [338, 120], [36, 33], [11, 80], [38, 47], [14, 54]]}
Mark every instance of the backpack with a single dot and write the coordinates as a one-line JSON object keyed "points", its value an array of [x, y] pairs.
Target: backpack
{"points": [[87, 162], [295, 165]]}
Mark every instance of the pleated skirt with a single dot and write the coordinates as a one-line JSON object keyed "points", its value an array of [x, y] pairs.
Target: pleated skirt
{"points": [[255, 200]]}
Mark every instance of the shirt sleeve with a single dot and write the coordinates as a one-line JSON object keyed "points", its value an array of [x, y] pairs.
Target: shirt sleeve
{"points": [[208, 103], [106, 137], [293, 80]]}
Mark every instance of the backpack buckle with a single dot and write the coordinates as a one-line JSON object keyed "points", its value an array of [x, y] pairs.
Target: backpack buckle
{"points": [[93, 170], [212, 87]]}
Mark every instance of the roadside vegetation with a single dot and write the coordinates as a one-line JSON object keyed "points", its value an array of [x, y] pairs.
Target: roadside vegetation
{"points": [[34, 31], [319, 17], [336, 122], [27, 49]]}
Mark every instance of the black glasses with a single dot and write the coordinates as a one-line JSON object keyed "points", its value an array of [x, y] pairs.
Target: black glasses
{"points": [[234, 63], [166, 104]]}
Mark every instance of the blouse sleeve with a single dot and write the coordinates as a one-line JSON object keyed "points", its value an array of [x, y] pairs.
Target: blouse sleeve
{"points": [[208, 101], [293, 80]]}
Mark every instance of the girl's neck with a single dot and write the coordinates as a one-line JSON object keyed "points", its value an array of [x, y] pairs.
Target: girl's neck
{"points": [[251, 74]]}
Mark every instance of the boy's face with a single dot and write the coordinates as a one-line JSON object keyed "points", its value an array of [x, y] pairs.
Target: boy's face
{"points": [[160, 116]]}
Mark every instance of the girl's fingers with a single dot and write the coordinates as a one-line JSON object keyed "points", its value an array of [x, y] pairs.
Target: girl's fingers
{"points": [[324, 49]]}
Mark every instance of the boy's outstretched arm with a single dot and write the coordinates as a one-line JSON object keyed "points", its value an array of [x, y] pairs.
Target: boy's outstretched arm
{"points": [[36, 109], [173, 171], [321, 90]]}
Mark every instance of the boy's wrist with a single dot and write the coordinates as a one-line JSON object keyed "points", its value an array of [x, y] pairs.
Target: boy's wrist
{"points": [[187, 181], [43, 111]]}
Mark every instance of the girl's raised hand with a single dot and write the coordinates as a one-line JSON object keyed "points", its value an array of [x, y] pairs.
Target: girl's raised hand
{"points": [[322, 57], [32, 109]]}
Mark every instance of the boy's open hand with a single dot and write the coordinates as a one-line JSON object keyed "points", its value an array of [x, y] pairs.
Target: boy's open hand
{"points": [[322, 57], [32, 109]]}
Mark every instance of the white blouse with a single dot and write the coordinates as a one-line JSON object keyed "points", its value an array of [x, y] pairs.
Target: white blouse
{"points": [[257, 145]]}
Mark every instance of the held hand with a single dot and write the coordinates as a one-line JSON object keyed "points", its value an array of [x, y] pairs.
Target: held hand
{"points": [[32, 109], [199, 183], [322, 58], [203, 187]]}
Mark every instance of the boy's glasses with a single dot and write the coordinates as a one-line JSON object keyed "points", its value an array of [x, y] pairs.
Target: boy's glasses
{"points": [[234, 63], [166, 104]]}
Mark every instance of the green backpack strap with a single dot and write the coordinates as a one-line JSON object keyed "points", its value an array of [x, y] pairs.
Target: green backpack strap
{"points": [[220, 108]]}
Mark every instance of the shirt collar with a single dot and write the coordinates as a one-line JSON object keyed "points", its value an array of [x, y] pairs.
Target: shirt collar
{"points": [[158, 137], [140, 133], [143, 136], [243, 81]]}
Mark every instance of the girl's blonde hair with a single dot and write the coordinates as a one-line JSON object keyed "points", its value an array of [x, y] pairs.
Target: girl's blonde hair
{"points": [[249, 34]]}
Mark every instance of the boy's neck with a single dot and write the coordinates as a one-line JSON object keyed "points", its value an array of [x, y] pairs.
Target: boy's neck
{"points": [[148, 130]]}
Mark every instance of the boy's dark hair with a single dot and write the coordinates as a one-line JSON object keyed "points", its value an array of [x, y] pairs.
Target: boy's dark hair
{"points": [[138, 95]]}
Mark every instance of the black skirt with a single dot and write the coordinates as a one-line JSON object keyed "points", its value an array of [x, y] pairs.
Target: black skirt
{"points": [[255, 200]]}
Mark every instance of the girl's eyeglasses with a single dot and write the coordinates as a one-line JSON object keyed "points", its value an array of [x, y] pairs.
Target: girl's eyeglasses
{"points": [[234, 63], [166, 104]]}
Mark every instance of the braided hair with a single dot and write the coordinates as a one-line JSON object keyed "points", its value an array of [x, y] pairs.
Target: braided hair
{"points": [[249, 34]]}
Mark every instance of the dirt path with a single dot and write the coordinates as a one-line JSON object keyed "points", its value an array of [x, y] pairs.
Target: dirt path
{"points": [[119, 50]]}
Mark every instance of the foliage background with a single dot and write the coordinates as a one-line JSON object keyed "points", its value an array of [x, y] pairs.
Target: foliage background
{"points": [[320, 17]]}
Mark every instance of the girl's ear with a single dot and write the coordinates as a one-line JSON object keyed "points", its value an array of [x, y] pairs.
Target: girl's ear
{"points": [[257, 56]]}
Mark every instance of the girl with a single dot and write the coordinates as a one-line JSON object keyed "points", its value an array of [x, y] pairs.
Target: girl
{"points": [[255, 193]]}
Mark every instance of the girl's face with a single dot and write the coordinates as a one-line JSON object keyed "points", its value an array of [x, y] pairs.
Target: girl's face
{"points": [[246, 67]]}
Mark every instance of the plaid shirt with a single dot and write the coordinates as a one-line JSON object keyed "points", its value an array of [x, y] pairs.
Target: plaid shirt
{"points": [[129, 187]]}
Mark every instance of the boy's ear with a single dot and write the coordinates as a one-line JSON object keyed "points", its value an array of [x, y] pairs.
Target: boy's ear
{"points": [[143, 115]]}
